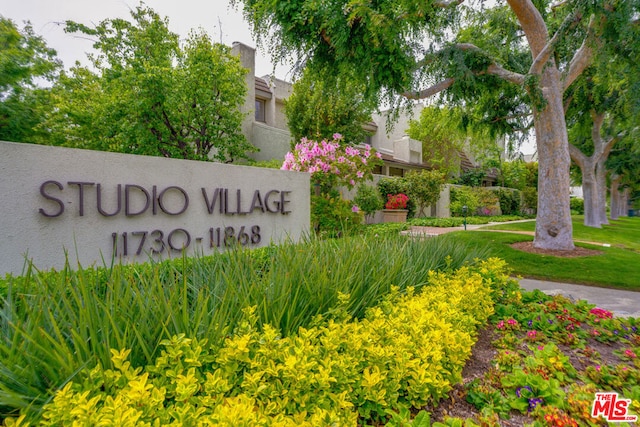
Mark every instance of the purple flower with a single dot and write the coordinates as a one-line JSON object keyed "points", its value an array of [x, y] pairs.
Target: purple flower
{"points": [[519, 390], [355, 209], [534, 402]]}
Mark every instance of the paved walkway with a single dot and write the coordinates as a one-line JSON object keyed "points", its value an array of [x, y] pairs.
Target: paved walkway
{"points": [[620, 303]]}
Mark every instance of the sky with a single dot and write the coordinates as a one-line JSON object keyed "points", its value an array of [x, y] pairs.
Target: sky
{"points": [[216, 17]]}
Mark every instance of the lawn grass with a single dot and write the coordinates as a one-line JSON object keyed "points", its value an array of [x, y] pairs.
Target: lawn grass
{"points": [[615, 268], [623, 232]]}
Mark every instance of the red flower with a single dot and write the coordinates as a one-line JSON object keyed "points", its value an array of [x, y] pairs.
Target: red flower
{"points": [[396, 201]]}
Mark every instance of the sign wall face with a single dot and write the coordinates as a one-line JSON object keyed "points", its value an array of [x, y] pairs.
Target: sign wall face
{"points": [[98, 207]]}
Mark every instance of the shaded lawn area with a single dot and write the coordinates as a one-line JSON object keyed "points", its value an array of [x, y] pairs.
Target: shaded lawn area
{"points": [[623, 232], [616, 268]]}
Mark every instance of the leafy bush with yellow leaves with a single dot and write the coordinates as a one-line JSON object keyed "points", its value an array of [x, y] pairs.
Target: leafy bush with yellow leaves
{"points": [[406, 352]]}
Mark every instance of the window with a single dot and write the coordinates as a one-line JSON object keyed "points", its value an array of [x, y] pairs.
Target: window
{"points": [[260, 117]]}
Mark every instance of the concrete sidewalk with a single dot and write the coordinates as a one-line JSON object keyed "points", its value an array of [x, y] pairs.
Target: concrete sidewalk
{"points": [[620, 303]]}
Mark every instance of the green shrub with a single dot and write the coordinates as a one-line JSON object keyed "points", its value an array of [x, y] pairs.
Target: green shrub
{"points": [[392, 185], [332, 216], [471, 178], [386, 228], [368, 199], [270, 164], [405, 353], [529, 200], [577, 205], [55, 323], [489, 203], [463, 196], [424, 188], [509, 199]]}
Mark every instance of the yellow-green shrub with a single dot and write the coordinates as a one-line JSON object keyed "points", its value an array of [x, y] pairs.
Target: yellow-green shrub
{"points": [[406, 352]]}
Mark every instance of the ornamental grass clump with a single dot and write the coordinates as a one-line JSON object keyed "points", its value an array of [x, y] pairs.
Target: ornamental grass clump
{"points": [[407, 351]]}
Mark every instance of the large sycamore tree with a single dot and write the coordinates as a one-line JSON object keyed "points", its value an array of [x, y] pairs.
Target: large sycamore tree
{"points": [[603, 108], [413, 48]]}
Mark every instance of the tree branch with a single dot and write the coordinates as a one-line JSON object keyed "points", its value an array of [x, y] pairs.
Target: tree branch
{"points": [[432, 90], [428, 59], [510, 76], [577, 156], [446, 4], [492, 69], [532, 24], [544, 55], [581, 59], [567, 102]]}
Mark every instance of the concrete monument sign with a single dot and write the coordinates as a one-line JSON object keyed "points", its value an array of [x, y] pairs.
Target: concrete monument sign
{"points": [[98, 207]]}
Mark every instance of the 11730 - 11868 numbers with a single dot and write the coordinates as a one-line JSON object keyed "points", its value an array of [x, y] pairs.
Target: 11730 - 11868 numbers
{"points": [[158, 242]]}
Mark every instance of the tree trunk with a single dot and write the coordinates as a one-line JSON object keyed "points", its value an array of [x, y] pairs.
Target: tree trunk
{"points": [[594, 174], [615, 197], [601, 191], [590, 195], [624, 206], [554, 229]]}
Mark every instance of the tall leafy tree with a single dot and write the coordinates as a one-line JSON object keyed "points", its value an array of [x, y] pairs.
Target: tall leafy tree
{"points": [[543, 49], [444, 134], [151, 94], [322, 105], [25, 61], [602, 109], [439, 131], [624, 167]]}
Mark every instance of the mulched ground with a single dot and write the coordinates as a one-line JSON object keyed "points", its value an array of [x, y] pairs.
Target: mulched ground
{"points": [[481, 361], [577, 252]]}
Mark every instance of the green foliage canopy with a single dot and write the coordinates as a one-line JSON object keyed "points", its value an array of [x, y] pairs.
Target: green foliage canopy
{"points": [[424, 187], [321, 106], [25, 59], [151, 94]]}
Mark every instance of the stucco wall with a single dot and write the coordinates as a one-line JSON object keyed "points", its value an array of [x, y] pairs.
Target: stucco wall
{"points": [[83, 202], [273, 143]]}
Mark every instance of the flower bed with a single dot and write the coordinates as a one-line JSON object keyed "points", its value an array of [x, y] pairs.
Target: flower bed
{"points": [[552, 356]]}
